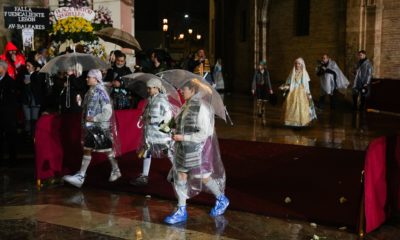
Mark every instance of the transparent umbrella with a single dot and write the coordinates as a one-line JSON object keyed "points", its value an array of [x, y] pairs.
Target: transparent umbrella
{"points": [[76, 61], [179, 78], [132, 80]]}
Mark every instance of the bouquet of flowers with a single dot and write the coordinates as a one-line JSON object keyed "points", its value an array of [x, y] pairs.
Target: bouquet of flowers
{"points": [[73, 28], [79, 31], [73, 3], [95, 48], [102, 18]]}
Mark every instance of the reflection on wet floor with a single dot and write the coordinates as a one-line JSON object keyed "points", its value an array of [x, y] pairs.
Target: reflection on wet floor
{"points": [[119, 216], [61, 212], [340, 128]]}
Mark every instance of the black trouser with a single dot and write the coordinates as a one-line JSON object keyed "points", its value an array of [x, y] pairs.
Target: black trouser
{"points": [[362, 101], [8, 136], [332, 101]]}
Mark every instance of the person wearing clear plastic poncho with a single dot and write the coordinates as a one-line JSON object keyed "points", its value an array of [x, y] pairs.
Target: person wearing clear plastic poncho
{"points": [[331, 80], [155, 119], [196, 161], [362, 81], [98, 128]]}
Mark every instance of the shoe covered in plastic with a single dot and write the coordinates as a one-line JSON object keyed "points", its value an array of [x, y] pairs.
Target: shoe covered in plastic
{"points": [[140, 181], [180, 215], [115, 174], [75, 180], [221, 205]]}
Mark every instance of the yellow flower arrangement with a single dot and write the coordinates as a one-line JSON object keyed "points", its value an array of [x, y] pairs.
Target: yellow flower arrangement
{"points": [[72, 25], [74, 30]]}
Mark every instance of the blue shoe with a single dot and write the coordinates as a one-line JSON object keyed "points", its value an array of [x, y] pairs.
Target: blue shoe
{"points": [[180, 215], [221, 205]]}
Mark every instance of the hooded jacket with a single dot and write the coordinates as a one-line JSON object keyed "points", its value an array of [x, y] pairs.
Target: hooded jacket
{"points": [[13, 66]]}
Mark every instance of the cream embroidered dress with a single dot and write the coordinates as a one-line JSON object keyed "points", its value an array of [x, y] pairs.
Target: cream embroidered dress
{"points": [[298, 107]]}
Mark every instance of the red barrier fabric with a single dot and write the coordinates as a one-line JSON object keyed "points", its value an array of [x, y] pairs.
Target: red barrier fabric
{"points": [[381, 181], [58, 141], [48, 148]]}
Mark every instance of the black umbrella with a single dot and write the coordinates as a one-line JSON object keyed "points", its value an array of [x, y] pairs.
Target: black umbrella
{"points": [[119, 37]]}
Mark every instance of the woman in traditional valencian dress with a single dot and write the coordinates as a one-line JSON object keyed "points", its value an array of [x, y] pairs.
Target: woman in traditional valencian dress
{"points": [[298, 107]]}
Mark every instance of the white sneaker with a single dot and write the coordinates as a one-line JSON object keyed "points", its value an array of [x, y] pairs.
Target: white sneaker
{"points": [[115, 174], [75, 180]]}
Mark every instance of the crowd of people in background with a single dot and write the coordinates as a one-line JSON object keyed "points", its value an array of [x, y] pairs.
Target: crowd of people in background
{"points": [[27, 93], [299, 109]]}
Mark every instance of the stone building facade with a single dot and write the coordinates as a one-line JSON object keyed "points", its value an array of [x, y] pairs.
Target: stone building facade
{"points": [[281, 30]]}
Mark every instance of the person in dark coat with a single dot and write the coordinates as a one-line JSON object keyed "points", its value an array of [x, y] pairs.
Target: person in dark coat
{"points": [[8, 114], [201, 65], [33, 89], [71, 96], [159, 64], [261, 89], [120, 95], [362, 81], [119, 69], [54, 87]]}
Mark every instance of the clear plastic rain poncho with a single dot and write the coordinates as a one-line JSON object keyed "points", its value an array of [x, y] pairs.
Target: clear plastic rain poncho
{"points": [[198, 154], [330, 82], [101, 134], [157, 116]]}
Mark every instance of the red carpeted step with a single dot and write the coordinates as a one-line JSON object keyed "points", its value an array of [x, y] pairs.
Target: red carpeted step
{"points": [[323, 184]]}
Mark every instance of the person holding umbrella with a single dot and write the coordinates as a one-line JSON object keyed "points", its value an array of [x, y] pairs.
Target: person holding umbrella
{"points": [[98, 127], [163, 103], [196, 161], [156, 117]]}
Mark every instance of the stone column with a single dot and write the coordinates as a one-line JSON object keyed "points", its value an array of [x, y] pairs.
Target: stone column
{"points": [[377, 47], [260, 30], [364, 31], [264, 21], [257, 32]]}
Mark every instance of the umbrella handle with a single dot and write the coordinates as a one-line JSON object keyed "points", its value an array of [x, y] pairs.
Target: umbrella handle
{"points": [[229, 117], [139, 123], [68, 94]]}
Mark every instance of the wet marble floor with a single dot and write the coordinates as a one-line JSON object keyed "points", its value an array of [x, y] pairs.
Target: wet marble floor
{"points": [[63, 212], [341, 128]]}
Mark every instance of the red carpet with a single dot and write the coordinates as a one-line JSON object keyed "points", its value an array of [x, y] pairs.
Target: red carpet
{"points": [[260, 176]]}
